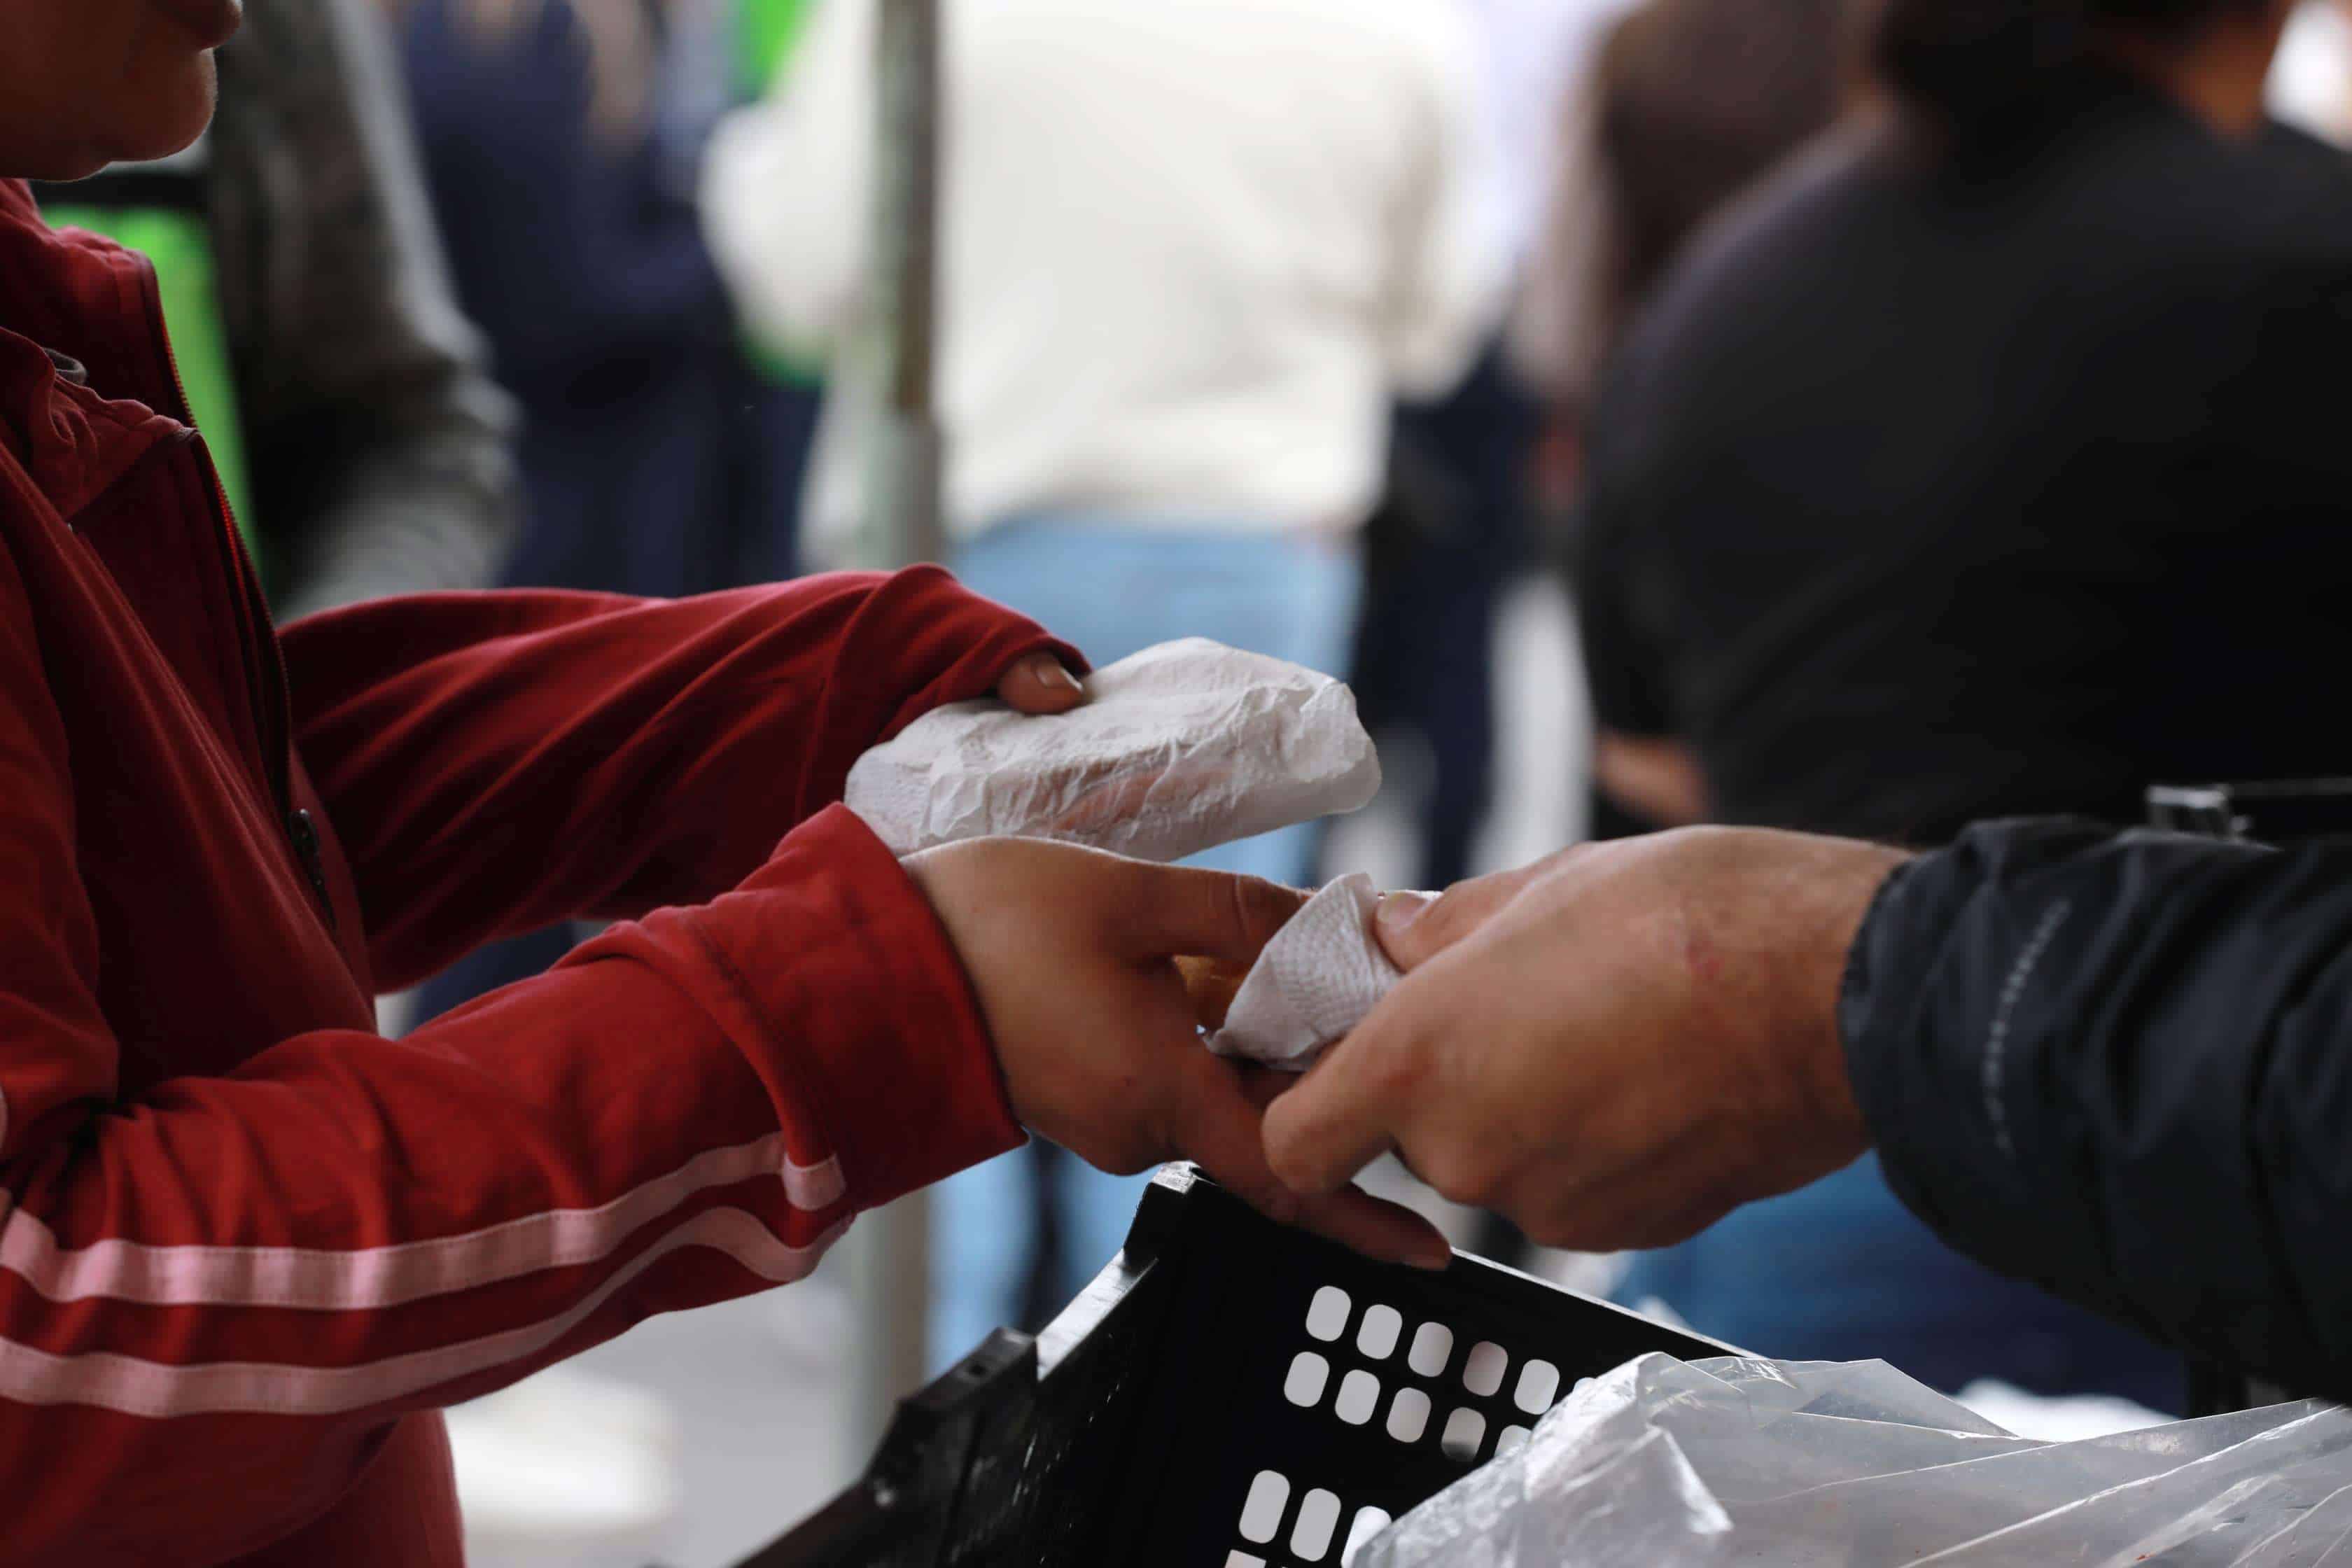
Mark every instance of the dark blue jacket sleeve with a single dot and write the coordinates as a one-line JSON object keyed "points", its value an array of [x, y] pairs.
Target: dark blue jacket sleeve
{"points": [[2121, 1065]]}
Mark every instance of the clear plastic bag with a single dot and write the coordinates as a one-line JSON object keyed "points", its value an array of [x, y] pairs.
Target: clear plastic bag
{"points": [[1823, 1463]]}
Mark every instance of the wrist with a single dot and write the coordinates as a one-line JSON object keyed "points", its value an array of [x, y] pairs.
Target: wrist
{"points": [[1845, 886], [949, 878], [860, 1009]]}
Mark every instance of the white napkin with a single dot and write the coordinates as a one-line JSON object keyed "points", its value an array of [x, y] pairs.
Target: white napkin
{"points": [[1314, 981], [1182, 747]]}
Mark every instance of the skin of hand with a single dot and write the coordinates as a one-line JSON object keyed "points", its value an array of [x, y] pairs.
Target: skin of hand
{"points": [[1614, 1047], [1073, 955]]}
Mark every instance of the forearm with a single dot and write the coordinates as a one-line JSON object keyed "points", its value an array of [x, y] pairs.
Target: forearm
{"points": [[2108, 1064], [496, 762], [210, 1293]]}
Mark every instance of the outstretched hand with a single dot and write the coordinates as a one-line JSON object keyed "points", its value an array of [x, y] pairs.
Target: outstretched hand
{"points": [[1614, 1046], [1072, 955]]}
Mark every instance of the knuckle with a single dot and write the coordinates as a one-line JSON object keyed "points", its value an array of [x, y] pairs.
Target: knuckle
{"points": [[1394, 1068]]}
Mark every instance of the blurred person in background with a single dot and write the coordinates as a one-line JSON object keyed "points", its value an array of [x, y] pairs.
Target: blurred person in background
{"points": [[1452, 527], [1988, 462], [343, 396], [1678, 107], [559, 142], [2311, 81], [1687, 104], [1189, 254]]}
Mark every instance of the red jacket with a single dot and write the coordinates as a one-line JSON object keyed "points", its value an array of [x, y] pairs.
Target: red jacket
{"points": [[247, 1245]]}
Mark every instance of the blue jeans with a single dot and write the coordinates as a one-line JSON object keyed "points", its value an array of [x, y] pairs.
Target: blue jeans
{"points": [[1841, 1270], [1115, 586]]}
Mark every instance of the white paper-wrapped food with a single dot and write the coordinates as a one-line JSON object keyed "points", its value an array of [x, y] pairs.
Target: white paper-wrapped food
{"points": [[1180, 747]]}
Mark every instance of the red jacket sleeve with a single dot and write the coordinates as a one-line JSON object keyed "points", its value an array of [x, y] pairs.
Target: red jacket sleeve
{"points": [[216, 1293], [497, 761]]}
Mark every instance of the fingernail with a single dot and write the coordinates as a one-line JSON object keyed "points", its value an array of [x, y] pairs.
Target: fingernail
{"points": [[1399, 910], [1432, 1255], [1054, 675]]}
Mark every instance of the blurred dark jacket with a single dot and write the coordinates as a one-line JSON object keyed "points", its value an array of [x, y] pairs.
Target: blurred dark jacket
{"points": [[378, 443], [1927, 494], [575, 243]]}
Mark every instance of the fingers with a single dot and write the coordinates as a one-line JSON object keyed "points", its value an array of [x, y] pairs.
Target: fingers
{"points": [[1377, 1228], [1414, 929], [1345, 1114], [1170, 910], [1218, 1125], [1212, 986], [1215, 1124], [1038, 684]]}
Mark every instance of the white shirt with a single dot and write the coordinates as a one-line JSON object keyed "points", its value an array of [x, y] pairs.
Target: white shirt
{"points": [[2310, 78], [1190, 248], [1534, 53]]}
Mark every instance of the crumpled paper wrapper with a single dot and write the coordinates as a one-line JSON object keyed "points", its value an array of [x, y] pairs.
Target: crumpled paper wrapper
{"points": [[1182, 747], [1314, 983]]}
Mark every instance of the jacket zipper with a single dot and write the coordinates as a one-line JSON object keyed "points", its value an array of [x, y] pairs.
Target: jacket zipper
{"points": [[265, 663]]}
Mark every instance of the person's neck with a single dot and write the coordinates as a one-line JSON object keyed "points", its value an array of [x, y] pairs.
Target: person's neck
{"points": [[2219, 76]]}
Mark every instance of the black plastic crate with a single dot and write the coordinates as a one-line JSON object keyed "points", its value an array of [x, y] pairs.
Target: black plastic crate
{"points": [[1222, 1365]]}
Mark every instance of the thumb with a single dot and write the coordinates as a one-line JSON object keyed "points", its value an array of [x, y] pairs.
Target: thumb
{"points": [[1216, 1122], [1346, 1112], [1415, 928]]}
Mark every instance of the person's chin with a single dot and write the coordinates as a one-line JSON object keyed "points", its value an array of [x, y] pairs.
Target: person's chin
{"points": [[165, 121]]}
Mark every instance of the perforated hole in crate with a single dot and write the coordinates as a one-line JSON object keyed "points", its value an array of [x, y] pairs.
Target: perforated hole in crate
{"points": [[1539, 1386], [1308, 1373], [1378, 1337], [1367, 1522], [1408, 1414], [1466, 1433], [1359, 1395], [1262, 1510], [1318, 1520], [1482, 1373], [1433, 1347]]}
